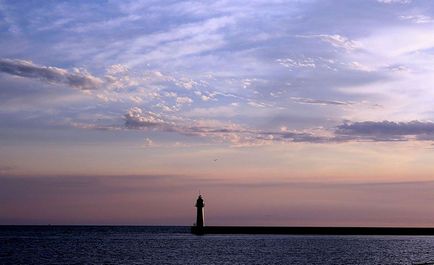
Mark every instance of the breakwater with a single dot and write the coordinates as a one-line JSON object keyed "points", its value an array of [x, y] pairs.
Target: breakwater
{"points": [[305, 230]]}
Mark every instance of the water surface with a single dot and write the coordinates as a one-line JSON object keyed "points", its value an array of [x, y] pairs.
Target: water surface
{"points": [[175, 245]]}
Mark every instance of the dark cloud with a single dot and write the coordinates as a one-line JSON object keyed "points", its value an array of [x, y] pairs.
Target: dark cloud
{"points": [[387, 130], [78, 78]]}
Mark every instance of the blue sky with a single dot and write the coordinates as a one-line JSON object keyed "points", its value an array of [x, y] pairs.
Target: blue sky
{"points": [[259, 68], [275, 90]]}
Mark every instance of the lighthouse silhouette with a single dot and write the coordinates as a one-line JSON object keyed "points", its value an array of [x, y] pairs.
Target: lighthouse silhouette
{"points": [[199, 214], [198, 228]]}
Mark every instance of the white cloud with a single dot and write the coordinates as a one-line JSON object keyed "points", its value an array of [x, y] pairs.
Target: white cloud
{"points": [[138, 118], [183, 100], [185, 83], [117, 69], [148, 142], [394, 1], [170, 94], [291, 63], [103, 97], [166, 108], [360, 67], [205, 98], [418, 19], [336, 41], [136, 99], [255, 104], [320, 101], [184, 40]]}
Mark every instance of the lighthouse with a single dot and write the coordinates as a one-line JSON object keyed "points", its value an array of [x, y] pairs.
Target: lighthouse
{"points": [[199, 213], [198, 228]]}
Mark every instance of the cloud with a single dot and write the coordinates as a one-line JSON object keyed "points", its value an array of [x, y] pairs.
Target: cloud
{"points": [[148, 142], [117, 69], [360, 67], [78, 78], [148, 70], [170, 94], [397, 68], [293, 136], [387, 130], [136, 118], [418, 19], [188, 39], [291, 63], [232, 133], [238, 135], [186, 83], [183, 100], [205, 97], [394, 1], [256, 104], [336, 40], [320, 102]]}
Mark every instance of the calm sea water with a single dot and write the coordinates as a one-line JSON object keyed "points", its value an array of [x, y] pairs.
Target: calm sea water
{"points": [[175, 245]]}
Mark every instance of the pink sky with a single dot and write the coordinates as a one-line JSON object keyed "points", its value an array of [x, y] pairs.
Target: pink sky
{"points": [[315, 112]]}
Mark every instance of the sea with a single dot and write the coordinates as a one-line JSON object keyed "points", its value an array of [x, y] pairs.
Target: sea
{"points": [[176, 245]]}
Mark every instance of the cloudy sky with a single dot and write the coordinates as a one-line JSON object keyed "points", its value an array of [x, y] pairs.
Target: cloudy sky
{"points": [[295, 112]]}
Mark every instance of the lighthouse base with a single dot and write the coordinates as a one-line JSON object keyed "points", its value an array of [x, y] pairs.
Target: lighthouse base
{"points": [[198, 230]]}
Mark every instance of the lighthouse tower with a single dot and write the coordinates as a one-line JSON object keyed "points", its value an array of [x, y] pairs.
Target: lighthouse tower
{"points": [[199, 215]]}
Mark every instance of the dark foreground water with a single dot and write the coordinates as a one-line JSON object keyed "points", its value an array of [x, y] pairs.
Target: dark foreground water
{"points": [[175, 245]]}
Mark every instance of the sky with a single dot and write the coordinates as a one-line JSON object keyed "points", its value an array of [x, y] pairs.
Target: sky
{"points": [[297, 112]]}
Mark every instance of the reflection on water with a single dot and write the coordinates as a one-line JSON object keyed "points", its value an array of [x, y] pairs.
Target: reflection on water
{"points": [[174, 245]]}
